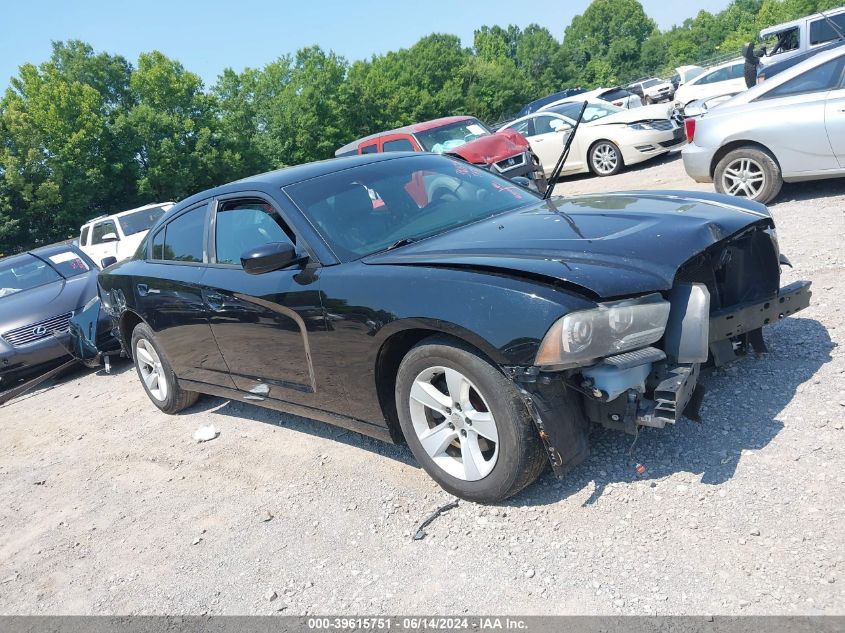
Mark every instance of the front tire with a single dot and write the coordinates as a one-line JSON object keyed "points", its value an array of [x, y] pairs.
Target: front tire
{"points": [[466, 423], [156, 374], [605, 159], [749, 172]]}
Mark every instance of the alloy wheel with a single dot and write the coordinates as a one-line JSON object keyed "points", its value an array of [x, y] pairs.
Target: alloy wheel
{"points": [[149, 366], [453, 423], [605, 158], [744, 177]]}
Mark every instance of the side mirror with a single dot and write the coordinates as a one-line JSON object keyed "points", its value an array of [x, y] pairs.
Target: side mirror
{"points": [[269, 257], [108, 261], [110, 237]]}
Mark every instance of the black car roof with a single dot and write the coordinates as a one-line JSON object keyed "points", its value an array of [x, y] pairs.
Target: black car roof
{"points": [[280, 178]]}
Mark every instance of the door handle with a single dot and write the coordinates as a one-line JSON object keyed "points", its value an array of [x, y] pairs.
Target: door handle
{"points": [[144, 290], [538, 140]]}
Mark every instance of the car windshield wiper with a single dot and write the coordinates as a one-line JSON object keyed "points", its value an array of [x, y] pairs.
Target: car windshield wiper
{"points": [[403, 242]]}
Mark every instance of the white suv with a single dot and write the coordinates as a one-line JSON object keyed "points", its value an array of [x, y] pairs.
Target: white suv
{"points": [[119, 235]]}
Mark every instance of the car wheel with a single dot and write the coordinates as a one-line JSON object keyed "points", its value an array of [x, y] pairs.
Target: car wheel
{"points": [[156, 374], [605, 158], [466, 423], [749, 172]]}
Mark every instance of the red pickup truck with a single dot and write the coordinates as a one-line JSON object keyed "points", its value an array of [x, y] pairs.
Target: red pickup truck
{"points": [[505, 152]]}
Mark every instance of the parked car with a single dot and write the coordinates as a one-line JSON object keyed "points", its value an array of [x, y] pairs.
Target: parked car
{"points": [[465, 137], [728, 78], [804, 35], [120, 234], [607, 139], [654, 90], [40, 290], [790, 128], [552, 98], [684, 74], [620, 97], [482, 324]]}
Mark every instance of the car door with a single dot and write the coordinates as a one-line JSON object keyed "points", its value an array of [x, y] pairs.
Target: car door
{"points": [[545, 142], [834, 118], [801, 113], [168, 296], [262, 323], [104, 240], [551, 133]]}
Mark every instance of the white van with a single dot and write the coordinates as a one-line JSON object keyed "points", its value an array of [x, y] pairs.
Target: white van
{"points": [[119, 235], [804, 34]]}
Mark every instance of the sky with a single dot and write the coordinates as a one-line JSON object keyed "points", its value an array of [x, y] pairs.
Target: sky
{"points": [[207, 36]]}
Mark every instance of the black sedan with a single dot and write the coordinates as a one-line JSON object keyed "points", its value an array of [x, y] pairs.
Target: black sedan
{"points": [[40, 291], [414, 297]]}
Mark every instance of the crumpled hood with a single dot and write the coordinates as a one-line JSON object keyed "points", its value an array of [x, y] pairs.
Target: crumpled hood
{"points": [[43, 302], [644, 113], [492, 148], [609, 245]]}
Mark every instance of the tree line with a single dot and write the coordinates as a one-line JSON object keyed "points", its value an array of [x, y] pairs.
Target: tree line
{"points": [[87, 133]]}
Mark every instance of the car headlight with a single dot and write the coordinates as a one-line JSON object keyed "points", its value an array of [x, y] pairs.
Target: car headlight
{"points": [[642, 125], [610, 328]]}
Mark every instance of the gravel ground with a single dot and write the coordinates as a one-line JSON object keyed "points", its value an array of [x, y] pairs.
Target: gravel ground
{"points": [[109, 506]]}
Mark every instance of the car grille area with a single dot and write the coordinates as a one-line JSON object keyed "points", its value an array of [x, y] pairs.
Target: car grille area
{"points": [[35, 332], [662, 124]]}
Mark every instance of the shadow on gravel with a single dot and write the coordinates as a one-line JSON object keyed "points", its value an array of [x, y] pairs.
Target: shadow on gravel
{"points": [[741, 412], [811, 190], [665, 159], [323, 430]]}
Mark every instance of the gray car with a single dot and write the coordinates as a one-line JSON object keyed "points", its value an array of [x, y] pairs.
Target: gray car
{"points": [[40, 290], [789, 128]]}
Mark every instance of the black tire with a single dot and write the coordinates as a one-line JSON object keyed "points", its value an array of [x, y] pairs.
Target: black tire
{"points": [[175, 398], [761, 160], [591, 157], [520, 459]]}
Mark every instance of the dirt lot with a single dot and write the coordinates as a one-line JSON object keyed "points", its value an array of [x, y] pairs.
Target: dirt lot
{"points": [[109, 506]]}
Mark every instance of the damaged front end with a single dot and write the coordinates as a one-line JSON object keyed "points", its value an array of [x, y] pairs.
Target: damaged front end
{"points": [[93, 336], [714, 312]]}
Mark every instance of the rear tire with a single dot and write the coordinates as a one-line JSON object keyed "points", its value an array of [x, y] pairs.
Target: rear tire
{"points": [[156, 374], [749, 172], [474, 437]]}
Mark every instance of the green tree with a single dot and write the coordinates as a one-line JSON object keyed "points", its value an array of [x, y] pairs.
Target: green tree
{"points": [[606, 40], [60, 161]]}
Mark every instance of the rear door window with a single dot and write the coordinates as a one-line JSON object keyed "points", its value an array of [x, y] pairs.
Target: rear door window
{"points": [[397, 145], [820, 79], [183, 238], [101, 230], [822, 31]]}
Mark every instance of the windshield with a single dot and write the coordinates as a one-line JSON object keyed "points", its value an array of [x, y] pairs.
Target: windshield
{"points": [[650, 83], [416, 197], [448, 137], [593, 112], [140, 220], [23, 272]]}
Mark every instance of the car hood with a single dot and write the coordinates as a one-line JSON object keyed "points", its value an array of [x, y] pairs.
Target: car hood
{"points": [[493, 148], [644, 113], [43, 302], [606, 246]]}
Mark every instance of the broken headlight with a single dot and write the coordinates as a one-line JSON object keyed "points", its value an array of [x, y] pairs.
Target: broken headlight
{"points": [[610, 328]]}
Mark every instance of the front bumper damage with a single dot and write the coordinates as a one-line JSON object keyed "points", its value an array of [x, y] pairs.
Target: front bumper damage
{"points": [[564, 404]]}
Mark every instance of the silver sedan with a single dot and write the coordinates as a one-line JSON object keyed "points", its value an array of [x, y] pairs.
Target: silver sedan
{"points": [[789, 128]]}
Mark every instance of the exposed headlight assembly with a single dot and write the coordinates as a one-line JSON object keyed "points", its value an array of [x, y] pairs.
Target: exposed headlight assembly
{"points": [[611, 328]]}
